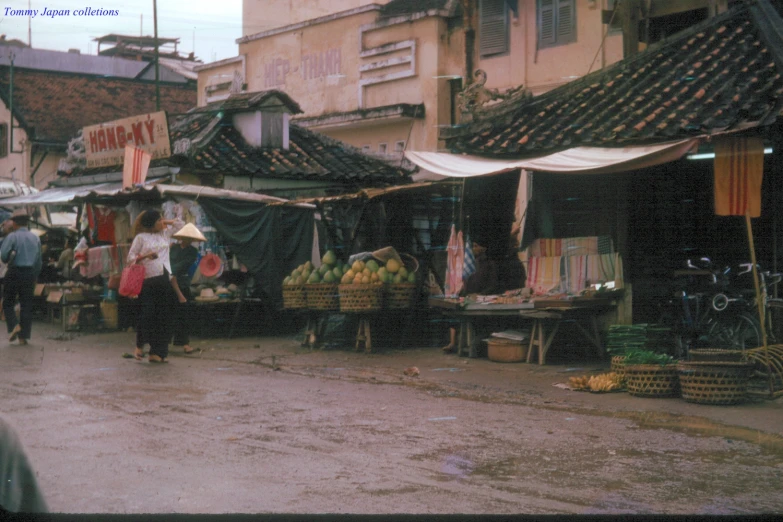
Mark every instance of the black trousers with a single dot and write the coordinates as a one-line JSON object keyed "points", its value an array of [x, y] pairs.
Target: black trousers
{"points": [[157, 301], [182, 315], [19, 283]]}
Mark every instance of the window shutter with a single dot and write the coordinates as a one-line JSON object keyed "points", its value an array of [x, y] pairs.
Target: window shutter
{"points": [[546, 22], [566, 29], [4, 140], [493, 27]]}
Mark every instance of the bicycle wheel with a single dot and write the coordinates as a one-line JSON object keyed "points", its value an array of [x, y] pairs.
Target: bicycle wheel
{"points": [[733, 332]]}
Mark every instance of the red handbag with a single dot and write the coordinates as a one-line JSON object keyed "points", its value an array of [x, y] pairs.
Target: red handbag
{"points": [[132, 280]]}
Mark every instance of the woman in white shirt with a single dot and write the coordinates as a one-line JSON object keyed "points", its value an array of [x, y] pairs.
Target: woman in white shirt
{"points": [[150, 247]]}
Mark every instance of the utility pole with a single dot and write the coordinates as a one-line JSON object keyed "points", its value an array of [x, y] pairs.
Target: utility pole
{"points": [[29, 26], [157, 55]]}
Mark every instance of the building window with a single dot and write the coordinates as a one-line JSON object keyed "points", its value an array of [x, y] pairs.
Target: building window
{"points": [[493, 27], [399, 146], [382, 148], [365, 148], [3, 140], [556, 22]]}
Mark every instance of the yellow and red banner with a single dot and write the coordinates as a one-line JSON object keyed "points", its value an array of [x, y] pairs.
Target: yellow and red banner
{"points": [[134, 169], [739, 171]]}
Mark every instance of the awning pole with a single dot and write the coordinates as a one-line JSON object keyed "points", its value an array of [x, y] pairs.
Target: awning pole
{"points": [[761, 305]]}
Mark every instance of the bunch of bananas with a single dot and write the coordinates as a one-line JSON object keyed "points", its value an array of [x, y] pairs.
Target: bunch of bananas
{"points": [[605, 382], [580, 383]]}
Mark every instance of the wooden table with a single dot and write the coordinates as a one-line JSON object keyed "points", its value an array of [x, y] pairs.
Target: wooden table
{"points": [[547, 316]]}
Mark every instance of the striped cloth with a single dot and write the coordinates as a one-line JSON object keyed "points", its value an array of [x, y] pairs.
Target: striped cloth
{"points": [[571, 246], [570, 274], [469, 262]]}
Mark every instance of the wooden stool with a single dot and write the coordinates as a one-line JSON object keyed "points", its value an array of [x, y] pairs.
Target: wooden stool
{"points": [[363, 334], [313, 330]]}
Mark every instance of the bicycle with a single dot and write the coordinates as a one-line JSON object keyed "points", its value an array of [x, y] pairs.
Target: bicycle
{"points": [[710, 310]]}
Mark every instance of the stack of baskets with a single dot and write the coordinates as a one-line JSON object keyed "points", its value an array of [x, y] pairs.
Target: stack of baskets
{"points": [[714, 382]]}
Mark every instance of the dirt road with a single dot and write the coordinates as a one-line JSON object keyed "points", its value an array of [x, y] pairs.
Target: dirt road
{"points": [[261, 425]]}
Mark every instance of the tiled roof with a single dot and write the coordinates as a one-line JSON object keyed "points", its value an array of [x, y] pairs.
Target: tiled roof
{"points": [[403, 7], [724, 74], [251, 100], [216, 145], [55, 106]]}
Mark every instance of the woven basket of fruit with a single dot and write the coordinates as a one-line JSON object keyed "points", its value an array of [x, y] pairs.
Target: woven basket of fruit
{"points": [[323, 296], [361, 297], [294, 297]]}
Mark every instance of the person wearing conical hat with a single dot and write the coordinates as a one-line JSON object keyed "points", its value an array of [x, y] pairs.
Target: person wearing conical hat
{"points": [[183, 256]]}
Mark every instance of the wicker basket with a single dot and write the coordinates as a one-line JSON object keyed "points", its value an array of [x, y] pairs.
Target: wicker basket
{"points": [[294, 297], [714, 382], [618, 365], [715, 354], [652, 380], [361, 298], [399, 295], [506, 350], [323, 296]]}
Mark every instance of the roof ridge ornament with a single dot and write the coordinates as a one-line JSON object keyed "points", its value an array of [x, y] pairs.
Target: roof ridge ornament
{"points": [[471, 99]]}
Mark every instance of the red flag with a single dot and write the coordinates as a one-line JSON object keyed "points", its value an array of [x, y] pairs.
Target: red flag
{"points": [[134, 171], [739, 170]]}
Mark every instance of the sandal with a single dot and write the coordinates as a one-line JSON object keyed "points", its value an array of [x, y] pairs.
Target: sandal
{"points": [[138, 354], [188, 350], [156, 359]]}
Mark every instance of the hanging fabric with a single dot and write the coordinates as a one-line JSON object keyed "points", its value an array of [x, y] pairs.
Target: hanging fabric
{"points": [[454, 264], [739, 170]]}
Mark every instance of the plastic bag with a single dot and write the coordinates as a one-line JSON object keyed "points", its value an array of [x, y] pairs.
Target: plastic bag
{"points": [[132, 280]]}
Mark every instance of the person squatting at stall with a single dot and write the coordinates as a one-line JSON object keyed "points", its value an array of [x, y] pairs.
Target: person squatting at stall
{"points": [[21, 250], [183, 255], [158, 294]]}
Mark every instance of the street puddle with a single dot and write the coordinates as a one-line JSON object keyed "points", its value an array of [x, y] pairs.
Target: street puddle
{"points": [[457, 467], [705, 427]]}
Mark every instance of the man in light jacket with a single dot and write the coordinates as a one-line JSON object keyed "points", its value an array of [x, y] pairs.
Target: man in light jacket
{"points": [[21, 250]]}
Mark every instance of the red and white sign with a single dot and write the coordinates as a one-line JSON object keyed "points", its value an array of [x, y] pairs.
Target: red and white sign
{"points": [[137, 162], [105, 143]]}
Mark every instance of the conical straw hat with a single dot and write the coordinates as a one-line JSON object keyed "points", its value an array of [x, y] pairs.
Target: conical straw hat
{"points": [[190, 231]]}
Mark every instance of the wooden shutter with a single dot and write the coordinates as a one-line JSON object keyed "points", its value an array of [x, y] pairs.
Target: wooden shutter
{"points": [[493, 27], [4, 140], [566, 21], [546, 22]]}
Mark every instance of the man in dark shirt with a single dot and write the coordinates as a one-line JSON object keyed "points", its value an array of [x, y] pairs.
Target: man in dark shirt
{"points": [[21, 250], [182, 256], [19, 491]]}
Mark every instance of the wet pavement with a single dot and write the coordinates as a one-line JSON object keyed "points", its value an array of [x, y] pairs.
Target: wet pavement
{"points": [[261, 424]]}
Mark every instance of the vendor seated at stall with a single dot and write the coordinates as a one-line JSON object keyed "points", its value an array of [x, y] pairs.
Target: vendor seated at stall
{"points": [[492, 276]]}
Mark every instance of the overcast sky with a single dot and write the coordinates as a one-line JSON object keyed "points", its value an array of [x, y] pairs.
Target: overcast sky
{"points": [[216, 24]]}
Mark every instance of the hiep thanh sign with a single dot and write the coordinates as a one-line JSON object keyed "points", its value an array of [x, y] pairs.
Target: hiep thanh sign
{"points": [[105, 143]]}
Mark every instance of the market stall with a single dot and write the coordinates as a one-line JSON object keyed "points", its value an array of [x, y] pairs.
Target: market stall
{"points": [[248, 245]]}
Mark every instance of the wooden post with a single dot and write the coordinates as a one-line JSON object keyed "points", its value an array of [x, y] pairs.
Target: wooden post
{"points": [[629, 14], [762, 317]]}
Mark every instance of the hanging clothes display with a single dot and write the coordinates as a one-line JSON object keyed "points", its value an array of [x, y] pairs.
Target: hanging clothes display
{"points": [[454, 263]]}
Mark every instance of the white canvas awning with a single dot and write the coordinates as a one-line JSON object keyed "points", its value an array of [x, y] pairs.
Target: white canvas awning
{"points": [[65, 195], [579, 160]]}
